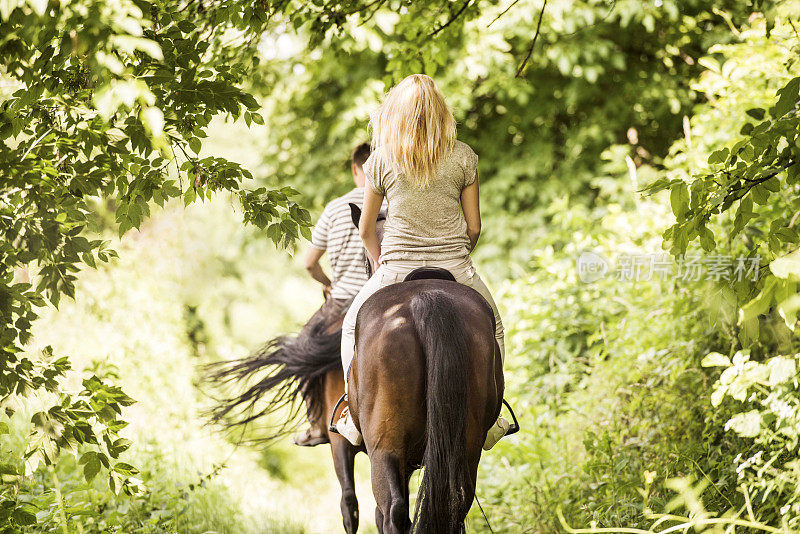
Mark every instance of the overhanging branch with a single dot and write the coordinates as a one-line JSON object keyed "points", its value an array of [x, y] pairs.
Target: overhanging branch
{"points": [[533, 42]]}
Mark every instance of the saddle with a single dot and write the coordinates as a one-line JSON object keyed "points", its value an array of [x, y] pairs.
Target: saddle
{"points": [[429, 273]]}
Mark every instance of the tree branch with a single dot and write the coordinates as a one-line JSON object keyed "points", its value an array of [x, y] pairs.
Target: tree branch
{"points": [[533, 42], [363, 8], [503, 13], [454, 17]]}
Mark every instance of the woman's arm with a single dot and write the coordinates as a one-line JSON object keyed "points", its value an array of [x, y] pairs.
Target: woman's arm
{"points": [[470, 203], [366, 225]]}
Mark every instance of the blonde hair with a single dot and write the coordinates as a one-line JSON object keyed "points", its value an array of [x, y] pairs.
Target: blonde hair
{"points": [[415, 127]]}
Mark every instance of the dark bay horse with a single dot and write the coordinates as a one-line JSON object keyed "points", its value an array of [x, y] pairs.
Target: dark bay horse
{"points": [[287, 373], [425, 386]]}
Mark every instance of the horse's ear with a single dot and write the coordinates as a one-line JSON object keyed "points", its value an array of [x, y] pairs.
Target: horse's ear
{"points": [[355, 213]]}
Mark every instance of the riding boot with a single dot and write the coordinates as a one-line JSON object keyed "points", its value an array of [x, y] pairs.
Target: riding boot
{"points": [[496, 433], [311, 437], [347, 428]]}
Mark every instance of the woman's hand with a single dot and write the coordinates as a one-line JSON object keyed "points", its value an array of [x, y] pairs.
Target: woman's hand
{"points": [[366, 225]]}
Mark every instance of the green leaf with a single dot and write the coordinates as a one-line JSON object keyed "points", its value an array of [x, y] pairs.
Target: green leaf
{"points": [[760, 304], [91, 468], [715, 359], [125, 469], [756, 113], [186, 26], [787, 267], [788, 96], [195, 144], [746, 424], [119, 446], [707, 239], [23, 517], [189, 196], [679, 199], [8, 469], [718, 156], [760, 194]]}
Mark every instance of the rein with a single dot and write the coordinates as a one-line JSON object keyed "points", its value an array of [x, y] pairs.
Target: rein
{"points": [[484, 514]]}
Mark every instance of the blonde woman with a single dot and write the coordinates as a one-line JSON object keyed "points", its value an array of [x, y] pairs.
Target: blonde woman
{"points": [[430, 182]]}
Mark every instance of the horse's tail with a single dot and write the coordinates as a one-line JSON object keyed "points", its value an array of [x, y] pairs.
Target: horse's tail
{"points": [[281, 374], [440, 499]]}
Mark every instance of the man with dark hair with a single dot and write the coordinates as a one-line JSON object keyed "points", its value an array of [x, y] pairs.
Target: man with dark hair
{"points": [[336, 234]]}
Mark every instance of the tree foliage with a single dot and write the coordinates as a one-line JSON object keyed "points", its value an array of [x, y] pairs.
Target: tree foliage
{"points": [[108, 100], [696, 427], [572, 106], [602, 74]]}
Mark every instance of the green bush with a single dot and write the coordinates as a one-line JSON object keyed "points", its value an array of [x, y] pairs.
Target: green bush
{"points": [[623, 427], [605, 377]]}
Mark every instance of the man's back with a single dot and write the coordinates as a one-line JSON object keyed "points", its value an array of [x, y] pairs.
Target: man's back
{"points": [[336, 234]]}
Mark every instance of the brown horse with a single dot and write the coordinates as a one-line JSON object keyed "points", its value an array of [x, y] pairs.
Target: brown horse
{"points": [[426, 384], [291, 371], [287, 371]]}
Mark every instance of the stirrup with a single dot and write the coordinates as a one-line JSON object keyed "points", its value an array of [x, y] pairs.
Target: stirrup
{"points": [[514, 428], [332, 424]]}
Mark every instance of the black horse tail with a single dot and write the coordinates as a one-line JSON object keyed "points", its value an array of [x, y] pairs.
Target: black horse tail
{"points": [[280, 375], [440, 499]]}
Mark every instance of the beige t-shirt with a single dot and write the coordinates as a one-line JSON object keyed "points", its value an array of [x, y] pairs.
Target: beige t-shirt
{"points": [[424, 224]]}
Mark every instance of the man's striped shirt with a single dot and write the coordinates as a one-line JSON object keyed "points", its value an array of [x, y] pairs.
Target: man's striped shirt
{"points": [[336, 234]]}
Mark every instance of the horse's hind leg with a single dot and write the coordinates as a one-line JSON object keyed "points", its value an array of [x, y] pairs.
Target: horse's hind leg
{"points": [[379, 519], [469, 490], [390, 486], [344, 461]]}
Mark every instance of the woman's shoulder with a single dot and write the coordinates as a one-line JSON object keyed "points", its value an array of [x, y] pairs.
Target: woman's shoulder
{"points": [[378, 160], [464, 155], [462, 148], [375, 160]]}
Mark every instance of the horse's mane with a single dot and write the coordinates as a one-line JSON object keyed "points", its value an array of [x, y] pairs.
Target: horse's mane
{"points": [[282, 373]]}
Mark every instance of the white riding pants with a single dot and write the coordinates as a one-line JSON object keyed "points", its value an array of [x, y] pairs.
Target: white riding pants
{"points": [[395, 271]]}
